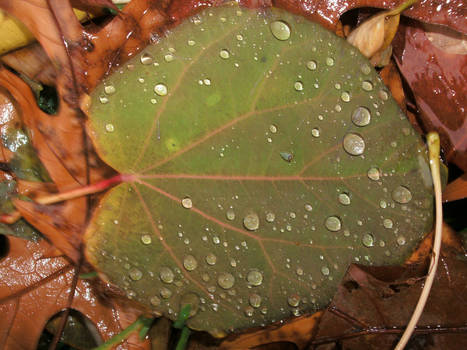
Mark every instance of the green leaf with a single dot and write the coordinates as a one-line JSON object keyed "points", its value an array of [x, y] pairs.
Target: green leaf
{"points": [[265, 155]]}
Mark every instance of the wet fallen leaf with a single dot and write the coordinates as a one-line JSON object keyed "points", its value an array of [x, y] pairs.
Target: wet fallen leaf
{"points": [[456, 190]]}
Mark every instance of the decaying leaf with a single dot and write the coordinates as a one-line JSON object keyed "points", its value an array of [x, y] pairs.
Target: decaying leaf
{"points": [[283, 177]]}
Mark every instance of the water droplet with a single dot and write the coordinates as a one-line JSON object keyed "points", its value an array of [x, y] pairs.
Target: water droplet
{"points": [[254, 278], [165, 293], [298, 86], [135, 274], [190, 263], [207, 82], [169, 57], [251, 221], [387, 223], [401, 240], [249, 311], [308, 207], [239, 37], [365, 68], [255, 300], [280, 30], [361, 116], [270, 217], [333, 223], [215, 240], [383, 204], [211, 259], [146, 59], [230, 215], [368, 240], [367, 85], [103, 100], [354, 144], [329, 61], [273, 128], [374, 174], [299, 271], [166, 275], [146, 239], [109, 89], [344, 199], [383, 94], [345, 96], [325, 270], [109, 127], [315, 132], [224, 54], [293, 300], [187, 203], [311, 65], [287, 156], [191, 42], [226, 280], [155, 301], [402, 195]]}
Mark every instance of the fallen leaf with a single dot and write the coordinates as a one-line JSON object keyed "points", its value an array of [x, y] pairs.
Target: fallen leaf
{"points": [[33, 289], [436, 79], [392, 79], [456, 189]]}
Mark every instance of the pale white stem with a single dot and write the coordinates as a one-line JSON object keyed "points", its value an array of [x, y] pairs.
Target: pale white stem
{"points": [[433, 149]]}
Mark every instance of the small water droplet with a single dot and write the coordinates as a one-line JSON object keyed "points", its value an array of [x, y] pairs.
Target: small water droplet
{"points": [[146, 239], [155, 301], [207, 82], [239, 37], [368, 240], [251, 221], [254, 278], [273, 128], [169, 57], [109, 127], [190, 263], [287, 156], [367, 85], [109, 89], [345, 96], [333, 223], [353, 144], [402, 195], [361, 116], [374, 174], [187, 203], [325, 270], [270, 217], [280, 30], [165, 293], [146, 59], [315, 132], [329, 61], [401, 240], [191, 42], [211, 259], [365, 68], [226, 280], [298, 86], [299, 271], [135, 274], [255, 300], [103, 100], [230, 215], [387, 223], [311, 65], [224, 54], [160, 89], [249, 311], [166, 275], [344, 198], [293, 300], [308, 207], [383, 204], [383, 94], [215, 240]]}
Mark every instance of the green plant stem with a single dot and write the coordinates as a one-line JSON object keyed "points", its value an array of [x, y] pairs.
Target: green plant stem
{"points": [[183, 340], [141, 323], [402, 7], [88, 275]]}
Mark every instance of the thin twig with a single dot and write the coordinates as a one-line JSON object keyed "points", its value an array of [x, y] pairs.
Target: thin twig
{"points": [[433, 149]]}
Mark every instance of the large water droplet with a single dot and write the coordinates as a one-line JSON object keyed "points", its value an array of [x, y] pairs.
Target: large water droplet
{"points": [[345, 96], [280, 30], [146, 239], [367, 85], [251, 221], [368, 240], [146, 58], [293, 300], [211, 259], [315, 132], [255, 300], [273, 128], [254, 278], [224, 54], [333, 223], [230, 215], [361, 116], [190, 263], [365, 68], [311, 65], [298, 86], [187, 203], [226, 280], [160, 89], [402, 195], [329, 61], [354, 144], [387, 223], [374, 174], [135, 274], [308, 207], [109, 89], [165, 293], [166, 275], [344, 199]]}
